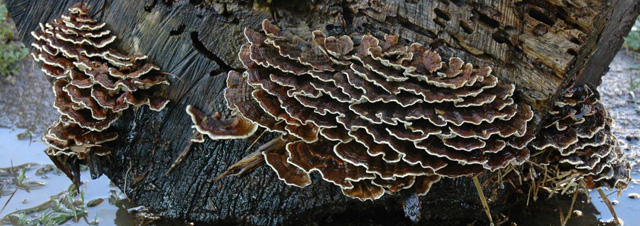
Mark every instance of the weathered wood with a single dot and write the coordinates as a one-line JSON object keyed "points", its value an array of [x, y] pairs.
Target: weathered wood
{"points": [[537, 45], [595, 62]]}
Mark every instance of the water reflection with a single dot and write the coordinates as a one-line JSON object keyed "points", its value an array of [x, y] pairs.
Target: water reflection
{"points": [[43, 181], [546, 211]]}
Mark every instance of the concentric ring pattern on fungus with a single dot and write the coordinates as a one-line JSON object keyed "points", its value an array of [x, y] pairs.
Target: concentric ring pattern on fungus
{"points": [[93, 85], [370, 116], [576, 138]]}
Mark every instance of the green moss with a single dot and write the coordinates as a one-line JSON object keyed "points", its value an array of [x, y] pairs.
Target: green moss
{"points": [[632, 41], [632, 45], [11, 53]]}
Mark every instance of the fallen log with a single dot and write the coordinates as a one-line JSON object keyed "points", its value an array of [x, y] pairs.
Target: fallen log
{"points": [[540, 46]]}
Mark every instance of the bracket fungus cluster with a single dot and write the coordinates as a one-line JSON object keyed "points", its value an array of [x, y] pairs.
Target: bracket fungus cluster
{"points": [[370, 116], [576, 142], [93, 85]]}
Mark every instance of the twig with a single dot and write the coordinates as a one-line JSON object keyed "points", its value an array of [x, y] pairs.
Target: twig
{"points": [[544, 181], [529, 193], [140, 178], [8, 200], [181, 157], [573, 202], [483, 199], [172, 75], [257, 139], [12, 194], [126, 175], [534, 190], [245, 165], [606, 200]]}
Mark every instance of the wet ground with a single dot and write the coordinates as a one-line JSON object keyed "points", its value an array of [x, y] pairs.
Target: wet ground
{"points": [[26, 100], [624, 107]]}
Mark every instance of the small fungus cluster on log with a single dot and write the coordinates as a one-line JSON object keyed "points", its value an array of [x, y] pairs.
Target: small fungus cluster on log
{"points": [[93, 85], [576, 144], [371, 116]]}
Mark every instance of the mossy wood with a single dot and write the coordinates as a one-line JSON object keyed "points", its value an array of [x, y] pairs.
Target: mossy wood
{"points": [[538, 45]]}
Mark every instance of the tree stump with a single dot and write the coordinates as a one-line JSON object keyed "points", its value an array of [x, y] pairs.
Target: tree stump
{"points": [[539, 45]]}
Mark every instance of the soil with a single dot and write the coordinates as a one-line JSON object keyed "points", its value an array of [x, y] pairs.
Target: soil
{"points": [[26, 99], [623, 103]]}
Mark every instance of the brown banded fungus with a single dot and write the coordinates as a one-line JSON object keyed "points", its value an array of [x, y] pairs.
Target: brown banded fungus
{"points": [[576, 141], [371, 116], [93, 85]]}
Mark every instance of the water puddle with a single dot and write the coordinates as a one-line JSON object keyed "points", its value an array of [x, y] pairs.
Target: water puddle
{"points": [[27, 171], [626, 206]]}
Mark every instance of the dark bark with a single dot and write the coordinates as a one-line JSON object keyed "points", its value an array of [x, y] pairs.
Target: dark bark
{"points": [[538, 45]]}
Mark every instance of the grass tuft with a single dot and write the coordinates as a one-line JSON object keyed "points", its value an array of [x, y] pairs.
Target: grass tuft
{"points": [[65, 206]]}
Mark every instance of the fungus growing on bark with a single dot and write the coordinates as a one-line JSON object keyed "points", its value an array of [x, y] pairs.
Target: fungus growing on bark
{"points": [[67, 138], [219, 129], [372, 116], [577, 139], [93, 86]]}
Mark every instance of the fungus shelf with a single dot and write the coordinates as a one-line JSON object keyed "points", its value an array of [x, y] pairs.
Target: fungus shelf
{"points": [[93, 85]]}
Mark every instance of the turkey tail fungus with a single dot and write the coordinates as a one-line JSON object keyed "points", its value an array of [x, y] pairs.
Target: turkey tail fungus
{"points": [[370, 116], [575, 150], [432, 107], [576, 141], [93, 85]]}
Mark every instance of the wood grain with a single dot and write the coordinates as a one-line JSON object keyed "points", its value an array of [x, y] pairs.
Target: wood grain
{"points": [[537, 45]]}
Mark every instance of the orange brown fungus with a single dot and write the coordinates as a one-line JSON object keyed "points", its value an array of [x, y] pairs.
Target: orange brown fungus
{"points": [[93, 85], [577, 139], [236, 128], [372, 116]]}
